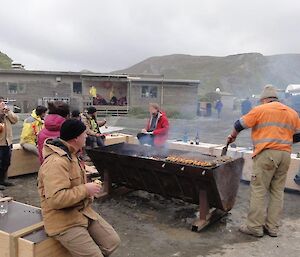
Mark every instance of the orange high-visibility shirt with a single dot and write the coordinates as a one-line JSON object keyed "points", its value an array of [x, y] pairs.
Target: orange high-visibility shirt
{"points": [[273, 126]]}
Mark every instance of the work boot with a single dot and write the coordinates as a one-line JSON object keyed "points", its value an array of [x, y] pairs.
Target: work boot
{"points": [[7, 183], [2, 188], [248, 231], [270, 232]]}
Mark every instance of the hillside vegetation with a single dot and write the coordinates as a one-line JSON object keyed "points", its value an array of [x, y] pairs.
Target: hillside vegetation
{"points": [[5, 61], [240, 74]]}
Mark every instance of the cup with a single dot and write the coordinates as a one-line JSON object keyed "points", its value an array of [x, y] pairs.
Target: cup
{"points": [[3, 207]]}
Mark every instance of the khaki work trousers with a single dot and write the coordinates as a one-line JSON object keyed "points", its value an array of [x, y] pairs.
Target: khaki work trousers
{"points": [[270, 169], [97, 240]]}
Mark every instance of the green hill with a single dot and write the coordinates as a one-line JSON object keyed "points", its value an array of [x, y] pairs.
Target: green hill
{"points": [[240, 74], [5, 61]]}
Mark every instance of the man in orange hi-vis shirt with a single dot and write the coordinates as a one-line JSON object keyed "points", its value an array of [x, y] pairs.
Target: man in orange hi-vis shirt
{"points": [[275, 127]]}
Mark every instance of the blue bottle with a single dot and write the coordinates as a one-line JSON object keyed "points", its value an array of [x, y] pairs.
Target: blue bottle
{"points": [[185, 137]]}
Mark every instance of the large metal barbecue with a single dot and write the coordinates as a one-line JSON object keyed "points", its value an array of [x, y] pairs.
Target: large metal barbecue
{"points": [[148, 168]]}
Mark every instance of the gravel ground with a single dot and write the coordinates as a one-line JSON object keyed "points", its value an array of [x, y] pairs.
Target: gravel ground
{"points": [[152, 226]]}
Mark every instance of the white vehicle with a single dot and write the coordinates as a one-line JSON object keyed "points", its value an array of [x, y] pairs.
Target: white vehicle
{"points": [[293, 96], [293, 89]]}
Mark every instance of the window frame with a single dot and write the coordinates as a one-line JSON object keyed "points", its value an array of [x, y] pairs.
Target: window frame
{"points": [[79, 92], [149, 91]]}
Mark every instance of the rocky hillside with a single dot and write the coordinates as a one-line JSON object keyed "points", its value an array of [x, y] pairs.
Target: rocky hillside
{"points": [[5, 61], [240, 74]]}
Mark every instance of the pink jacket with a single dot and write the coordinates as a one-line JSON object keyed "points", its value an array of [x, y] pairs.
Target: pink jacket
{"points": [[53, 123]]}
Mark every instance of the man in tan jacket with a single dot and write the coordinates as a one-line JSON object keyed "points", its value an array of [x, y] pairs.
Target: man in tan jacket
{"points": [[7, 118], [66, 197]]}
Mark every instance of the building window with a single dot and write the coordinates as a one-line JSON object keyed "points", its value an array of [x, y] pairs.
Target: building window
{"points": [[21, 89], [12, 88], [77, 87], [149, 91]]}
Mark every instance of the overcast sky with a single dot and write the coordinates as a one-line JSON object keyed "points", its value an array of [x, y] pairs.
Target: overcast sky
{"points": [[109, 35]]}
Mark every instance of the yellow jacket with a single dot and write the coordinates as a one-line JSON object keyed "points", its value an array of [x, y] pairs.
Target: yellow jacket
{"points": [[31, 127], [65, 201], [93, 91]]}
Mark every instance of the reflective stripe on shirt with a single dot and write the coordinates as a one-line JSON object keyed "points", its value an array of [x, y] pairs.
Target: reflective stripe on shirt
{"points": [[274, 124], [272, 140]]}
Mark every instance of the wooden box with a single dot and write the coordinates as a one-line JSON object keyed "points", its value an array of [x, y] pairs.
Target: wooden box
{"points": [[38, 244], [118, 138], [22, 234], [21, 219], [22, 162], [204, 148]]}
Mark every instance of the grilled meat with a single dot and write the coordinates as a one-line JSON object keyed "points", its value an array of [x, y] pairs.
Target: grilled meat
{"points": [[185, 161]]}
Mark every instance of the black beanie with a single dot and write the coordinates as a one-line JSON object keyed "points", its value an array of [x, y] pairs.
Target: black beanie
{"points": [[91, 110], [71, 129]]}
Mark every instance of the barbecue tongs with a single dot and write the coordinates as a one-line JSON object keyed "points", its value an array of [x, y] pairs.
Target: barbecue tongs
{"points": [[224, 150]]}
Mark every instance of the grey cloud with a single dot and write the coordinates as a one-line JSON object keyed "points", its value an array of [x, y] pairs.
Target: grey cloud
{"points": [[110, 35]]}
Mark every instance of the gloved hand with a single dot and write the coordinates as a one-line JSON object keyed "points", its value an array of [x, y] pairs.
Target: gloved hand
{"points": [[230, 139]]}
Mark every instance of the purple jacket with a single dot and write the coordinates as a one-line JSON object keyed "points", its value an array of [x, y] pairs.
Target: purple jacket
{"points": [[53, 123]]}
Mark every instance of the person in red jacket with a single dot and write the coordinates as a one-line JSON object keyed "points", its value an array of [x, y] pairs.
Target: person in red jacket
{"points": [[58, 112], [156, 131]]}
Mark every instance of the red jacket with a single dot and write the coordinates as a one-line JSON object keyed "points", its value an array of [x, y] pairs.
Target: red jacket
{"points": [[162, 129], [53, 123]]}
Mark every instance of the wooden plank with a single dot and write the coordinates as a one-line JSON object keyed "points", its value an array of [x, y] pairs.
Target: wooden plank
{"points": [[13, 237], [25, 248], [4, 244], [28, 230], [46, 248], [118, 138]]}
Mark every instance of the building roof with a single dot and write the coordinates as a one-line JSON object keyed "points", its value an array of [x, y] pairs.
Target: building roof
{"points": [[38, 72], [164, 81], [91, 75]]}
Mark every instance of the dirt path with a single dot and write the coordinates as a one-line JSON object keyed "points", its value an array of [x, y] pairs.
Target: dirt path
{"points": [[152, 226]]}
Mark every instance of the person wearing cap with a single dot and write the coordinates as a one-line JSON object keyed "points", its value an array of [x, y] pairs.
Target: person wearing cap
{"points": [[94, 136], [7, 119], [275, 127], [66, 197]]}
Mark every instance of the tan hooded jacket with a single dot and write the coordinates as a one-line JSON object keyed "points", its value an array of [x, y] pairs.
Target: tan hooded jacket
{"points": [[6, 135], [65, 201]]}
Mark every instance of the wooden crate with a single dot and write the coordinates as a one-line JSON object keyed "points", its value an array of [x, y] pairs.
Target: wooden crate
{"points": [[22, 162], [22, 234], [38, 244], [20, 220], [117, 138], [204, 148]]}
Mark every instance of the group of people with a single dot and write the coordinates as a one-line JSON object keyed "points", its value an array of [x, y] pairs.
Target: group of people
{"points": [[66, 196], [38, 127], [58, 137], [100, 100]]}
